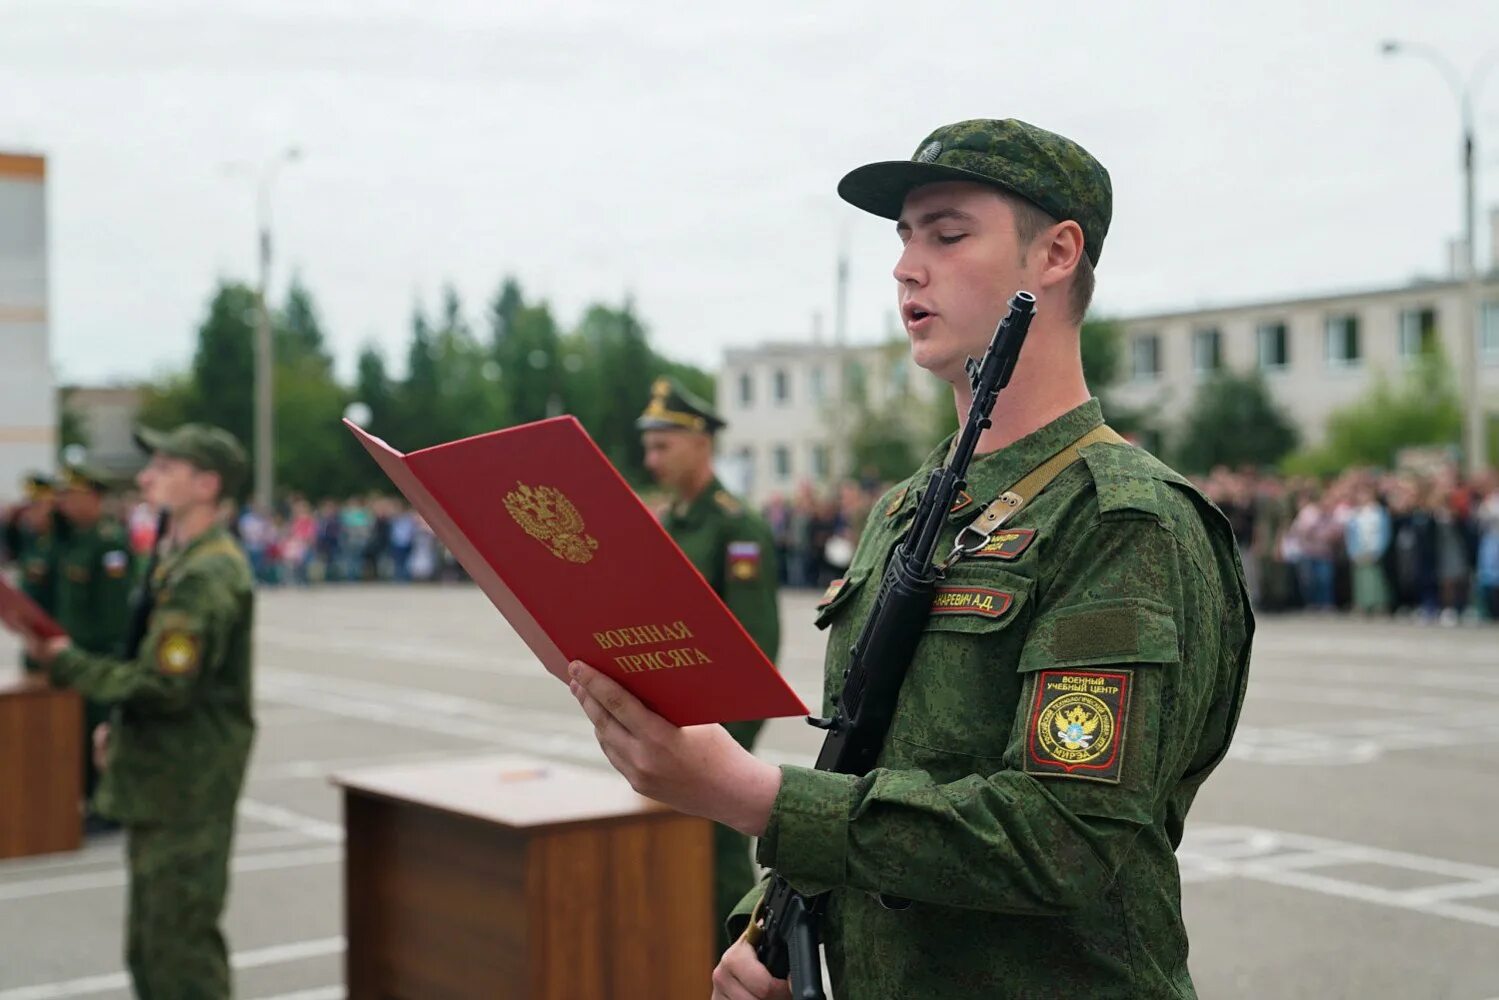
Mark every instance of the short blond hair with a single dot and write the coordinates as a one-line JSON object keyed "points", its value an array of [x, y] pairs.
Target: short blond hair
{"points": [[1030, 222]]}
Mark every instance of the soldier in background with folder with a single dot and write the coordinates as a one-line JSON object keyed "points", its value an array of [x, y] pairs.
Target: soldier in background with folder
{"points": [[183, 724], [732, 548]]}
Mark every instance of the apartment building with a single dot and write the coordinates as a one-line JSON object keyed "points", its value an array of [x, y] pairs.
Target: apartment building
{"points": [[1317, 353], [783, 427]]}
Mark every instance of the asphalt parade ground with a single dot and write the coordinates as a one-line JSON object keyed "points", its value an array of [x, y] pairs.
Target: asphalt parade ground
{"points": [[1349, 847]]}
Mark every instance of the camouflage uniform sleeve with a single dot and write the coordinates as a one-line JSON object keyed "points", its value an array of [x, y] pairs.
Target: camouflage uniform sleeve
{"points": [[1130, 600], [750, 574], [183, 636]]}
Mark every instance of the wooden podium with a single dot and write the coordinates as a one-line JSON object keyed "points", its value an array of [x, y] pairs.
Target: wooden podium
{"points": [[514, 877], [41, 766]]}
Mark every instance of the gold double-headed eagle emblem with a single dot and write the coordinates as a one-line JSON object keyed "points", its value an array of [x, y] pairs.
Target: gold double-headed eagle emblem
{"points": [[547, 515]]}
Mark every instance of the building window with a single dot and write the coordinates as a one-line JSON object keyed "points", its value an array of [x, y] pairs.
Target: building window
{"points": [[821, 461], [780, 384], [1274, 347], [746, 390], [1418, 332], [781, 457], [1342, 341], [1207, 351], [817, 384], [1488, 332], [1145, 358]]}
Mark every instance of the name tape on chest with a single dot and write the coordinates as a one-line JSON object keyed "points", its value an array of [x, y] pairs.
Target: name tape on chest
{"points": [[982, 602], [1077, 724], [744, 561], [1007, 545], [896, 501], [832, 592]]}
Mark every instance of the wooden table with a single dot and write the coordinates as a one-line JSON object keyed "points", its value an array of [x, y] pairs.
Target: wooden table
{"points": [[514, 877], [41, 766]]}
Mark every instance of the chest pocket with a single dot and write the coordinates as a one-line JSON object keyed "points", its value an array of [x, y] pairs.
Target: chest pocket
{"points": [[958, 703]]}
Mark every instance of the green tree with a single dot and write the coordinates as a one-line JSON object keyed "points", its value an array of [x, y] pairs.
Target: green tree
{"points": [[373, 387], [1101, 342], [1418, 407], [299, 334], [223, 368], [1234, 421]]}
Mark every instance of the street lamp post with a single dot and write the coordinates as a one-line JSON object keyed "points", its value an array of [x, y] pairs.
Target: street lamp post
{"points": [[265, 357], [1475, 430]]}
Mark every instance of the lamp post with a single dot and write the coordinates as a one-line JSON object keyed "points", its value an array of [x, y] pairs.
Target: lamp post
{"points": [[265, 359], [1475, 436]]}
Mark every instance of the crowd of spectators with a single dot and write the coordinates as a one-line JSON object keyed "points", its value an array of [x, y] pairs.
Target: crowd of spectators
{"points": [[1423, 545]]}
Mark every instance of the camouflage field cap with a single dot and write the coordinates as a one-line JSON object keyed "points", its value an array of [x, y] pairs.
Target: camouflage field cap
{"points": [[1051, 171], [674, 408], [211, 449]]}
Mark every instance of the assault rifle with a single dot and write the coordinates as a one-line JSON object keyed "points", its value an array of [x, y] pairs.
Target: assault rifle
{"points": [[784, 927]]}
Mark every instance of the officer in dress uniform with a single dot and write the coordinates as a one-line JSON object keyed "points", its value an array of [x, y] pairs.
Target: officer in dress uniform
{"points": [[732, 548]]}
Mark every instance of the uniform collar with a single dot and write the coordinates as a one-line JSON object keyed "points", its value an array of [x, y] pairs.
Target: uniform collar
{"points": [[692, 513], [171, 559], [991, 474]]}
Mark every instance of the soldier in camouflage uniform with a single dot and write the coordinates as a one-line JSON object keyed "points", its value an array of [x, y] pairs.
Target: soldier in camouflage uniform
{"points": [[1078, 679], [180, 736], [31, 543], [93, 593], [732, 548]]}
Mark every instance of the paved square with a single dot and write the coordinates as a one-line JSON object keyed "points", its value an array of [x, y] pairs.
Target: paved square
{"points": [[1346, 849]]}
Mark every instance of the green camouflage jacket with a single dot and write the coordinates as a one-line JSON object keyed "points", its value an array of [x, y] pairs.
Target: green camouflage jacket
{"points": [[732, 548], [1077, 681], [183, 722], [93, 587]]}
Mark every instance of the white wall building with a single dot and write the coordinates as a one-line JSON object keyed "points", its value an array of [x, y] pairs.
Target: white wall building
{"points": [[28, 400], [1317, 353], [778, 398]]}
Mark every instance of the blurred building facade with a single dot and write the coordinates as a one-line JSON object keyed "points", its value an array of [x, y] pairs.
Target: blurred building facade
{"points": [[106, 417], [28, 402], [784, 427], [1317, 353]]}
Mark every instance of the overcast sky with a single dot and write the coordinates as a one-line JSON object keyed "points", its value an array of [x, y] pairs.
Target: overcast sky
{"points": [[687, 152]]}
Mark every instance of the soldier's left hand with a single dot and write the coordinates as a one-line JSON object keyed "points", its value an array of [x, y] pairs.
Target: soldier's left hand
{"points": [[695, 769]]}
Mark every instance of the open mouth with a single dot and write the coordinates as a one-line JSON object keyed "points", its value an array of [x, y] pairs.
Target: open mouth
{"points": [[915, 313]]}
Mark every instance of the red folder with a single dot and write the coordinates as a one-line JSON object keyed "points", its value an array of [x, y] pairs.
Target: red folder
{"points": [[582, 570], [16, 606]]}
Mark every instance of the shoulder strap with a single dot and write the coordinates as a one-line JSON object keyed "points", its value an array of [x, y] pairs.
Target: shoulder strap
{"points": [[1013, 500]]}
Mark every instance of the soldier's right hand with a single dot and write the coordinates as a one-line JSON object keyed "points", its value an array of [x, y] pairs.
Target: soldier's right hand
{"points": [[101, 746], [740, 976]]}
